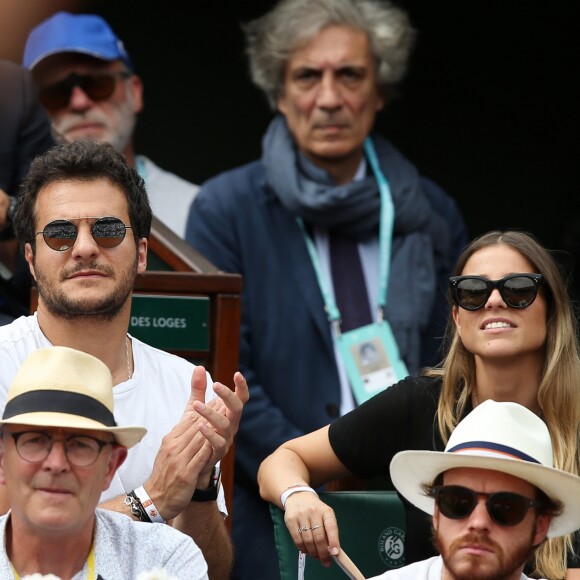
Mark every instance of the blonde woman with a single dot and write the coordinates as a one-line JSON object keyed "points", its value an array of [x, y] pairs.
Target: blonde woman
{"points": [[512, 337]]}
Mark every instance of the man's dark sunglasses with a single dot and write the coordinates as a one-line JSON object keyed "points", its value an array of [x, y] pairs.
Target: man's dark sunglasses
{"points": [[516, 290], [97, 87], [505, 508], [60, 235]]}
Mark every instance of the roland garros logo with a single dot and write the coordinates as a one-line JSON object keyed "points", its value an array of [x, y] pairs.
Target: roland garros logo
{"points": [[392, 547]]}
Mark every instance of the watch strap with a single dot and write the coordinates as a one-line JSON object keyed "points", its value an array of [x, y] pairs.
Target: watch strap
{"points": [[136, 507], [211, 493]]}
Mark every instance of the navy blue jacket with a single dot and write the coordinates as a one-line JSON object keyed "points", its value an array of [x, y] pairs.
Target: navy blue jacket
{"points": [[286, 351]]}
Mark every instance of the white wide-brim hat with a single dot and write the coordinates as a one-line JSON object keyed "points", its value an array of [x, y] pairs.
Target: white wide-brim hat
{"points": [[504, 437], [62, 387]]}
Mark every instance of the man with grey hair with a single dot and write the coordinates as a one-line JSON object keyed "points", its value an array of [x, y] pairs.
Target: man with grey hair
{"points": [[340, 241]]}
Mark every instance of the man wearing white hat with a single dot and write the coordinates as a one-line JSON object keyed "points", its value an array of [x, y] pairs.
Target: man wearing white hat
{"points": [[493, 493], [59, 449]]}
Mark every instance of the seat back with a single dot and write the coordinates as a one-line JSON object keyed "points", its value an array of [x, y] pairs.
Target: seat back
{"points": [[372, 532]]}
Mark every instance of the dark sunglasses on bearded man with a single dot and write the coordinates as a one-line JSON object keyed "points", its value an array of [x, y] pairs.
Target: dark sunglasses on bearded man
{"points": [[60, 235], [97, 87]]}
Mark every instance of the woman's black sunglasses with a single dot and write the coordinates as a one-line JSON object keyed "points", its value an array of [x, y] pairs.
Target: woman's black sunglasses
{"points": [[60, 235], [97, 87], [505, 508], [516, 290]]}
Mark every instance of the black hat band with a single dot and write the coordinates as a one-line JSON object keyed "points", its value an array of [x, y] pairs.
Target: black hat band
{"points": [[49, 401]]}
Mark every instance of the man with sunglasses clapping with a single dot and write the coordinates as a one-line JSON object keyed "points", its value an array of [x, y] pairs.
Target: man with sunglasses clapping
{"points": [[88, 86], [83, 219], [493, 493]]}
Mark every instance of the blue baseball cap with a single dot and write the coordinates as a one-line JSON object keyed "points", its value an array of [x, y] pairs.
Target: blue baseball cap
{"points": [[65, 32]]}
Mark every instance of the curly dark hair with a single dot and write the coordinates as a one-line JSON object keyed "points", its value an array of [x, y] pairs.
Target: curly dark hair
{"points": [[84, 160]]}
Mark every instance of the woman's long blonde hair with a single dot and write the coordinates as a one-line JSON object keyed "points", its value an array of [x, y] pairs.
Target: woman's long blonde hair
{"points": [[559, 389]]}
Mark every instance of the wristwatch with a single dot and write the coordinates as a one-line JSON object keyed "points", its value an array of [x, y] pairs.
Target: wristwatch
{"points": [[211, 493]]}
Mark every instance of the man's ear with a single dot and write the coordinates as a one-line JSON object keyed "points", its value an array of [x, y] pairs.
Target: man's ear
{"points": [[2, 478], [142, 255], [29, 256], [116, 459], [436, 517], [281, 104], [542, 526], [136, 88]]}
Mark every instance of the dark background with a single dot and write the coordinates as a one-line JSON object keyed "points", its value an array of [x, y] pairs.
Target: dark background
{"points": [[489, 107]]}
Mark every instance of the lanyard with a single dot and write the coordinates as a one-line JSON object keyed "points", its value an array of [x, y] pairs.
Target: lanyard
{"points": [[387, 217], [90, 566]]}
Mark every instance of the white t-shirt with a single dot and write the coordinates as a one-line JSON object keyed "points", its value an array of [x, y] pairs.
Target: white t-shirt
{"points": [[125, 548], [154, 397], [169, 195], [430, 569]]}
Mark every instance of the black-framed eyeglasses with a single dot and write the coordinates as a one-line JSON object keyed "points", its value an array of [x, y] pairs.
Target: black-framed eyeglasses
{"points": [[80, 450], [60, 235], [505, 508], [97, 87], [516, 290]]}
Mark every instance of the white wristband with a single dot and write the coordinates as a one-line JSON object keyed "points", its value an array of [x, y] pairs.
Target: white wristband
{"points": [[148, 505], [287, 493]]}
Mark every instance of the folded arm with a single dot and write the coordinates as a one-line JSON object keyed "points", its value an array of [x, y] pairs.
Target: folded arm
{"points": [[305, 461]]}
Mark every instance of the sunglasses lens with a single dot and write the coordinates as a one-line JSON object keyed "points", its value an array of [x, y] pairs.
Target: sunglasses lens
{"points": [[109, 232], [519, 291], [472, 293], [56, 96], [96, 87], [455, 502], [60, 235], [507, 509]]}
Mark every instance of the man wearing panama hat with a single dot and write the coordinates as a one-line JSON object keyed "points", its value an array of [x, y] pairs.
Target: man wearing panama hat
{"points": [[493, 493], [59, 449]]}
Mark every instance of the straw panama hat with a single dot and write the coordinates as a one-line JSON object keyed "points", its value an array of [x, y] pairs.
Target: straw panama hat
{"points": [[504, 437], [63, 387]]}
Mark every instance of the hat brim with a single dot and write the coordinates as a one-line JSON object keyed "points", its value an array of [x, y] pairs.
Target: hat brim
{"points": [[126, 436], [413, 468], [103, 55]]}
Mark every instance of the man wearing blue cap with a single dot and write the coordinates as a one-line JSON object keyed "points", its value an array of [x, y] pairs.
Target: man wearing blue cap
{"points": [[89, 88]]}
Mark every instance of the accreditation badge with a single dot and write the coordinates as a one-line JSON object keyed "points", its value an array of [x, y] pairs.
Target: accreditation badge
{"points": [[372, 360]]}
